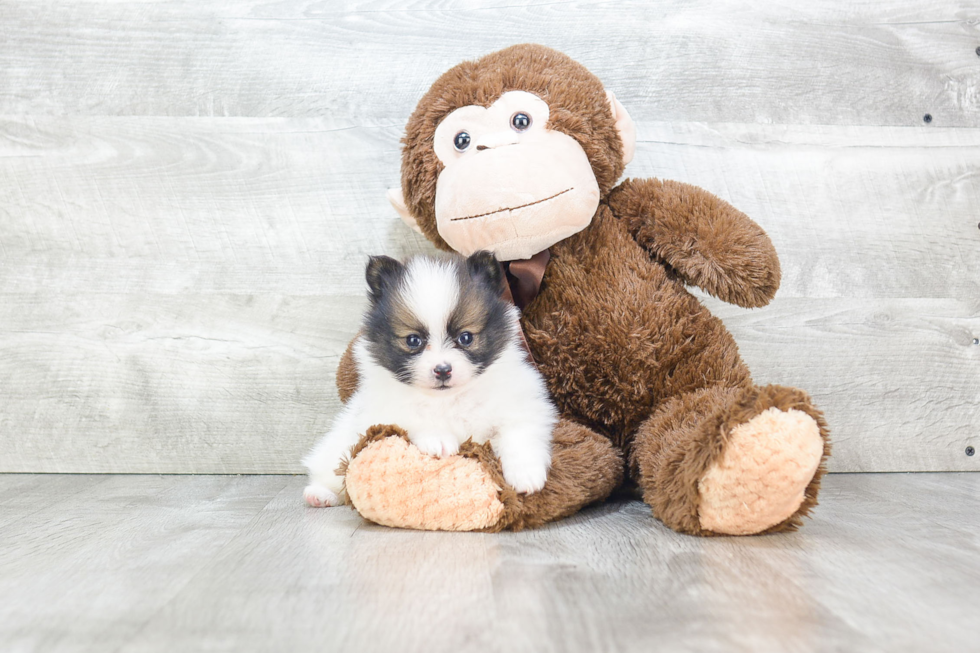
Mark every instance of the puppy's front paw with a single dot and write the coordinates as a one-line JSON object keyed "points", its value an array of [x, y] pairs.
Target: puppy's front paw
{"points": [[436, 444], [319, 496], [525, 476]]}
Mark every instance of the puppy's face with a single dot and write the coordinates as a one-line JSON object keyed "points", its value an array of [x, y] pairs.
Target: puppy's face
{"points": [[436, 324]]}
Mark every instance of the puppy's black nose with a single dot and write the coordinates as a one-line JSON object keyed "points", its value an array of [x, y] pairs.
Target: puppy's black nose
{"points": [[443, 371]]}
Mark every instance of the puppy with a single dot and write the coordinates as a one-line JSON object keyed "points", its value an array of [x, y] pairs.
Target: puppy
{"points": [[439, 355]]}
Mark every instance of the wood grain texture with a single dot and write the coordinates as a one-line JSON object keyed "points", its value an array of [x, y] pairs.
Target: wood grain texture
{"points": [[827, 63], [898, 379], [177, 291], [88, 571], [142, 563], [188, 195]]}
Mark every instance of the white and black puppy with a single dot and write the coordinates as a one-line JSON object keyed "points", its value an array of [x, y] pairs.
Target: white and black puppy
{"points": [[440, 355]]}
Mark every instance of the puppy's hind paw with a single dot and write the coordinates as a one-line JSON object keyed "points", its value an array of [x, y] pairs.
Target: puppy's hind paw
{"points": [[318, 496]]}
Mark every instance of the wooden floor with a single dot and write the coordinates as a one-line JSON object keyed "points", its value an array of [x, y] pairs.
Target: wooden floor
{"points": [[237, 563]]}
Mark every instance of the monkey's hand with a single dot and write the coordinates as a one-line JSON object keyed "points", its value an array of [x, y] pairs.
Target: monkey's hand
{"points": [[707, 241]]}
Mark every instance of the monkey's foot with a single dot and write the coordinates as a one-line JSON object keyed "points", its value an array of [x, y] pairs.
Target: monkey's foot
{"points": [[761, 478], [391, 482]]}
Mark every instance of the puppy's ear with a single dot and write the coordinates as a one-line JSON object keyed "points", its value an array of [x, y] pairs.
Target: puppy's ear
{"points": [[483, 267], [382, 273]]}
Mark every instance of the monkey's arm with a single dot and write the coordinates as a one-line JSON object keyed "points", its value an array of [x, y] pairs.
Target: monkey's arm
{"points": [[707, 241], [347, 378]]}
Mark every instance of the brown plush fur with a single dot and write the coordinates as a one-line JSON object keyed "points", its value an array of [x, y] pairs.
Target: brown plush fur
{"points": [[626, 350], [708, 242], [616, 335], [347, 373]]}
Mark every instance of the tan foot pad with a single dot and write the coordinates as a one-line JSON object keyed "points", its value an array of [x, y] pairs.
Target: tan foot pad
{"points": [[392, 483], [760, 480]]}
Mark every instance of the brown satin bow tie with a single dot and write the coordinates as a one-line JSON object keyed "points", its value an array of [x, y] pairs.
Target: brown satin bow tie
{"points": [[523, 283], [524, 278]]}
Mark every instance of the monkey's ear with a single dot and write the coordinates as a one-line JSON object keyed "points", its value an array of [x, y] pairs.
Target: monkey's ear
{"points": [[397, 200], [624, 125]]}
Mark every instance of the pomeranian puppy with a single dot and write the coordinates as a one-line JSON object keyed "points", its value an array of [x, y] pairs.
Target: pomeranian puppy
{"points": [[440, 355]]}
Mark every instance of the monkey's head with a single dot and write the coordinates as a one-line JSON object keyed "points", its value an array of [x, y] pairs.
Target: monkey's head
{"points": [[511, 153]]}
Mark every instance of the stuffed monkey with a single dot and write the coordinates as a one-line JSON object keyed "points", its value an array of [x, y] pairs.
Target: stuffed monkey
{"points": [[519, 153]]}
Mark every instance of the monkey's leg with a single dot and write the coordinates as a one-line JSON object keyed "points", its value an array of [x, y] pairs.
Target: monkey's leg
{"points": [[585, 468], [389, 481], [732, 461]]}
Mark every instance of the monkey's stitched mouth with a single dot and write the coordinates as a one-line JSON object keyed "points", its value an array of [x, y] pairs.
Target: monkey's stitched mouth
{"points": [[512, 208]]}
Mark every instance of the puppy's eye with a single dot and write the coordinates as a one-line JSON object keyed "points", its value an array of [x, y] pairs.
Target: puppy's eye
{"points": [[465, 339], [413, 341], [520, 121], [461, 141]]}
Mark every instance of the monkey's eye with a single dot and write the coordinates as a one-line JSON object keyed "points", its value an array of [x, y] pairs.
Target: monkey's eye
{"points": [[461, 141], [413, 341], [465, 339], [520, 121]]}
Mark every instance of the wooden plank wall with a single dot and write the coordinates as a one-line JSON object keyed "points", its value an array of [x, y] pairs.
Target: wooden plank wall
{"points": [[188, 194]]}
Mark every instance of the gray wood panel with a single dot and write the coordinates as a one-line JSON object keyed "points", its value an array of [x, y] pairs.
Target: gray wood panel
{"points": [[824, 63], [898, 379], [188, 195], [142, 563], [853, 211], [176, 292]]}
